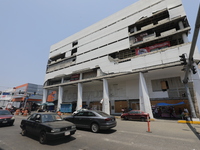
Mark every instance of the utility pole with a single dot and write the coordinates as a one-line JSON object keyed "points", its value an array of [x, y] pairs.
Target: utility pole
{"points": [[190, 63]]}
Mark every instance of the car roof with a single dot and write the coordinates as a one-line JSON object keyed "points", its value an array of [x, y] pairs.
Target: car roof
{"points": [[4, 110], [87, 110], [45, 113]]}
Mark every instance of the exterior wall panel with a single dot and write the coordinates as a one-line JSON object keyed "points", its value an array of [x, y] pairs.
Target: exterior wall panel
{"points": [[103, 51], [175, 12]]}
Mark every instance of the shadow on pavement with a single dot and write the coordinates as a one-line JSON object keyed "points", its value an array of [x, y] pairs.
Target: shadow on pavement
{"points": [[109, 131], [61, 141], [53, 142], [194, 130]]}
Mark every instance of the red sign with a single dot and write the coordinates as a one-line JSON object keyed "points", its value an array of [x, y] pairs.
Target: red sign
{"points": [[151, 48], [75, 77]]}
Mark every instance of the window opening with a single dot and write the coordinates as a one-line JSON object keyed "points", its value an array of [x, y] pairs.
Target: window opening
{"points": [[74, 43], [73, 51]]}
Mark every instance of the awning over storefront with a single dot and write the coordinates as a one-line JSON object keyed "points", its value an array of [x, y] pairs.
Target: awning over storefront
{"points": [[166, 104]]}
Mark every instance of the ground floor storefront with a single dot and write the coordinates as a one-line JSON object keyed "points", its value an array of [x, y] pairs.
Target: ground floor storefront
{"points": [[140, 91]]}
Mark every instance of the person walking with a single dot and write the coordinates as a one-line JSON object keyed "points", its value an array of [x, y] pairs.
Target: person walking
{"points": [[171, 111], [160, 112]]}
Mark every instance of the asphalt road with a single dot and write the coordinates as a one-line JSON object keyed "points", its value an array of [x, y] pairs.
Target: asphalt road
{"points": [[127, 135]]}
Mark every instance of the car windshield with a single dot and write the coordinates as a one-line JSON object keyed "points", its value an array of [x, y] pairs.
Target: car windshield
{"points": [[5, 112], [51, 117]]}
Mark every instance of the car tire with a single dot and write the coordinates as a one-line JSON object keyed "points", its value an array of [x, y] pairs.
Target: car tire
{"points": [[125, 118], [95, 127], [43, 137], [143, 119], [24, 132]]}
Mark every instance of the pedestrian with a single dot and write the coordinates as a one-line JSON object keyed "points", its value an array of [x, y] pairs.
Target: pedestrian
{"points": [[180, 112], [156, 112], [186, 110], [160, 112], [186, 116], [122, 110], [171, 111]]}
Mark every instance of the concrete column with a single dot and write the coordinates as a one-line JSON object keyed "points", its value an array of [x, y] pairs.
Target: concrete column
{"points": [[184, 36], [44, 99], [80, 76], [135, 29], [62, 80], [105, 104], [145, 104], [80, 93], [60, 96]]}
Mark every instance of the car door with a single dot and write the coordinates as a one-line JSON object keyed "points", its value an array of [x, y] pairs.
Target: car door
{"points": [[90, 117], [136, 115], [86, 119], [132, 115], [77, 119], [36, 127], [29, 123]]}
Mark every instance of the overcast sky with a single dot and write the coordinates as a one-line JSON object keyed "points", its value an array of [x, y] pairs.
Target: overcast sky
{"points": [[29, 27]]}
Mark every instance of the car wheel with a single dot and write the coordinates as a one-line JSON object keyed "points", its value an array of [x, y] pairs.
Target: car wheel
{"points": [[11, 124], [143, 119], [24, 132], [125, 118], [95, 127], [43, 137]]}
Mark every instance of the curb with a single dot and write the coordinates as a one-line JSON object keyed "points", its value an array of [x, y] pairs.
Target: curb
{"points": [[191, 122]]}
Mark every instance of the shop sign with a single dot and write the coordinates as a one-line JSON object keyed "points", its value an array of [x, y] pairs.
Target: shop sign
{"points": [[75, 77]]}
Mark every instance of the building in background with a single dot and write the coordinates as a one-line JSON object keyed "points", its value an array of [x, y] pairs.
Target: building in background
{"points": [[128, 60], [23, 96], [6, 97]]}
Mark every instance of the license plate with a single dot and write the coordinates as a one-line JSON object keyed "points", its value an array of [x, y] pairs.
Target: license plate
{"points": [[67, 133], [4, 122]]}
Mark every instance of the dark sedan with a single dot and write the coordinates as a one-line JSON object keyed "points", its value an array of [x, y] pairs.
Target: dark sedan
{"points": [[91, 119], [6, 118], [135, 115], [47, 126]]}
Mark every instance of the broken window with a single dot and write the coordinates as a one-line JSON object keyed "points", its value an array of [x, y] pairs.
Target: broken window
{"points": [[57, 57], [74, 51], [74, 43]]}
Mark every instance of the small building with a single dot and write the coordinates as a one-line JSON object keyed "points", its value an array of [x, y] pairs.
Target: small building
{"points": [[6, 97], [22, 96]]}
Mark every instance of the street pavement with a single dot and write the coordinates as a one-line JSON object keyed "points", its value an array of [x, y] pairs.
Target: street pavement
{"points": [[127, 135]]}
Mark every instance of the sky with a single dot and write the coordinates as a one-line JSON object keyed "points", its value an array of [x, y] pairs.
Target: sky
{"points": [[28, 28]]}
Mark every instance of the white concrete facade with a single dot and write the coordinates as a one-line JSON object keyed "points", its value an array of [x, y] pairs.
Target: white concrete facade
{"points": [[103, 60]]}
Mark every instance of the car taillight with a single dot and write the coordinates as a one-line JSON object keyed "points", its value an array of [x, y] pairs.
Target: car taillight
{"points": [[107, 119]]}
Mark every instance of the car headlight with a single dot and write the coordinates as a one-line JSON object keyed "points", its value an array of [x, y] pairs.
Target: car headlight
{"points": [[73, 127], [13, 118], [55, 130]]}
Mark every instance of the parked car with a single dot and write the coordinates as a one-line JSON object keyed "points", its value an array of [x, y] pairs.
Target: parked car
{"points": [[6, 118], [92, 119], [48, 126], [135, 115], [3, 107]]}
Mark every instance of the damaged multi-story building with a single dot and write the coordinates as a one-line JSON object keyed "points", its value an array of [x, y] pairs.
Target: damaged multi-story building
{"points": [[127, 60]]}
